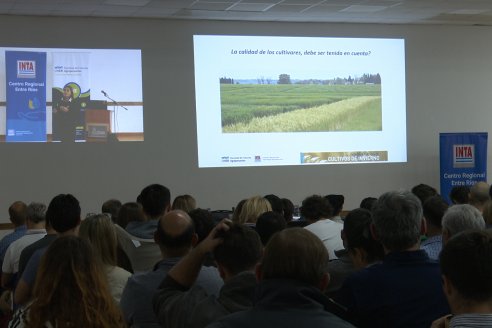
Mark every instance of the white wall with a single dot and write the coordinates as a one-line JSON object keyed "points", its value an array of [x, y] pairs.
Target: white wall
{"points": [[449, 89]]}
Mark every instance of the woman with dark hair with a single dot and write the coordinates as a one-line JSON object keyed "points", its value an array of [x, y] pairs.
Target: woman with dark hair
{"points": [[70, 290], [358, 241]]}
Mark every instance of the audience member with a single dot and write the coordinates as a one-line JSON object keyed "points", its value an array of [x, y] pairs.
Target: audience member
{"points": [[44, 242], [70, 290], [35, 217], [336, 202], [184, 202], [487, 214], [236, 211], [317, 211], [459, 218], [252, 209], [479, 195], [181, 302], [203, 221], [434, 209], [466, 266], [275, 203], [175, 236], [156, 201], [288, 209], [423, 191], [363, 249], [63, 213], [130, 212], [99, 231], [111, 207], [292, 276], [405, 289], [268, 224], [17, 215], [367, 203], [460, 195]]}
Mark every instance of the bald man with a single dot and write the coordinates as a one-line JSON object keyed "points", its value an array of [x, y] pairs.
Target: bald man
{"points": [[479, 195], [175, 236]]}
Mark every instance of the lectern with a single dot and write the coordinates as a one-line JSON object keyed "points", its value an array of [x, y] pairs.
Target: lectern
{"points": [[97, 124]]}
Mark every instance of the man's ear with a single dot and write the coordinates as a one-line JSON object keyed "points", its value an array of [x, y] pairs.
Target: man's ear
{"points": [[221, 270], [374, 234], [445, 236], [423, 227], [324, 282], [447, 286], [194, 240], [258, 272]]}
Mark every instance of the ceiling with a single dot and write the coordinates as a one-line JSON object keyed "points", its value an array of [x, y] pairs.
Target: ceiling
{"points": [[443, 12]]}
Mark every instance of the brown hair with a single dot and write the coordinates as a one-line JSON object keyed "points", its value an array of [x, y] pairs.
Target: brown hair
{"points": [[296, 254], [71, 289]]}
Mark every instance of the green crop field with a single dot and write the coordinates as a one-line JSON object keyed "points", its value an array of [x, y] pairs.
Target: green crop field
{"points": [[296, 108]]}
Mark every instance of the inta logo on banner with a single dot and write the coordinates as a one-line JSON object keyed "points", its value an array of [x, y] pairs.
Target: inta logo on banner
{"points": [[26, 69], [464, 155]]}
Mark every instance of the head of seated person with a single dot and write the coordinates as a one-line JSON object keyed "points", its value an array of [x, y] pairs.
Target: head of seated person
{"points": [[252, 208], [316, 208], [268, 224], [459, 218], [240, 251], [466, 266], [184, 202], [295, 254], [358, 241], [397, 221], [175, 234], [155, 200]]}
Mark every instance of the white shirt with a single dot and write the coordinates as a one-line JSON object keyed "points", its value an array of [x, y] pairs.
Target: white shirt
{"points": [[12, 256], [117, 278], [330, 234]]}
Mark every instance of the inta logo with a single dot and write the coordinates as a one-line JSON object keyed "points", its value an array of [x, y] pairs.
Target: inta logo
{"points": [[463, 155], [26, 69]]}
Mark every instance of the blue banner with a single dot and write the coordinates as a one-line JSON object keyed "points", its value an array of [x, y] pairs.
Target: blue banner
{"points": [[26, 96], [463, 160]]}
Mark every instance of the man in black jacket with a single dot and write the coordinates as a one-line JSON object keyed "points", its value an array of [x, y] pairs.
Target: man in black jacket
{"points": [[292, 277]]}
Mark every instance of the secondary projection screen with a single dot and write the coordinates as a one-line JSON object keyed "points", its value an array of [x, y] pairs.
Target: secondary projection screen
{"points": [[263, 101], [70, 95]]}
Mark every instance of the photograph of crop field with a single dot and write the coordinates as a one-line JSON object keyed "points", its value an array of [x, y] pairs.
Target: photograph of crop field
{"points": [[290, 105]]}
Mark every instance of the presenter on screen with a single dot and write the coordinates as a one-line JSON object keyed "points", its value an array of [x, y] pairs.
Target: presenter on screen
{"points": [[65, 114]]}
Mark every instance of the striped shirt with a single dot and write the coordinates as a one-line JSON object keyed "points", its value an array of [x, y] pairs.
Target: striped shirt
{"points": [[471, 320]]}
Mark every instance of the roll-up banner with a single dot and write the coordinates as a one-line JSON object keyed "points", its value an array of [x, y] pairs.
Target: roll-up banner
{"points": [[463, 160], [26, 96], [70, 94]]}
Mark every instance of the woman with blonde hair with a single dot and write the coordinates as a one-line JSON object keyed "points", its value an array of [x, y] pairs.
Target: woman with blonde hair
{"points": [[99, 231], [184, 202], [70, 290], [252, 209]]}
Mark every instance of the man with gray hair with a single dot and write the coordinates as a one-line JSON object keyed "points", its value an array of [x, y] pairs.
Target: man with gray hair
{"points": [[459, 218], [405, 289], [35, 218]]}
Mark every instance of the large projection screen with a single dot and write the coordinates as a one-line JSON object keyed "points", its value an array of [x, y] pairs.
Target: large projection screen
{"points": [[266, 101], [70, 95]]}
